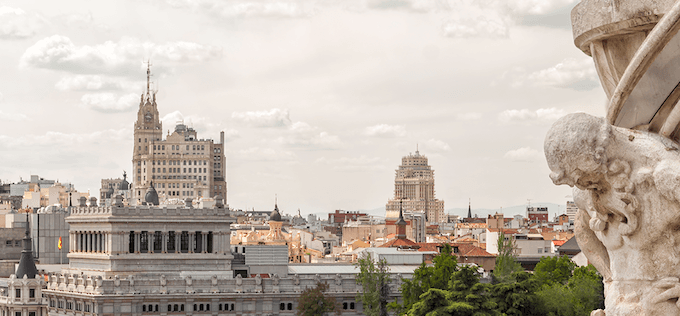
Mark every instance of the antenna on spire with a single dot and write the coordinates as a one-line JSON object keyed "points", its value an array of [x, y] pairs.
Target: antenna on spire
{"points": [[417, 151], [148, 76], [276, 199]]}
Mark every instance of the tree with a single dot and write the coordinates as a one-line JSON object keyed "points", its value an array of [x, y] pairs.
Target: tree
{"points": [[313, 302], [374, 280], [426, 278], [506, 264], [551, 270], [580, 294]]}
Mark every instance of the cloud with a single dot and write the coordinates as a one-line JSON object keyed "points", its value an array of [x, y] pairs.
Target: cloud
{"points": [[570, 73], [15, 23], [480, 26], [108, 102], [271, 118], [435, 145], [12, 117], [385, 130], [264, 154], [471, 116], [249, 9], [536, 7], [525, 115], [65, 140], [93, 83], [321, 140], [120, 58], [361, 163], [525, 154]]}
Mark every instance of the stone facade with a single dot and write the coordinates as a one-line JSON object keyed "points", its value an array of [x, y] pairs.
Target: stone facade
{"points": [[414, 190], [181, 165]]}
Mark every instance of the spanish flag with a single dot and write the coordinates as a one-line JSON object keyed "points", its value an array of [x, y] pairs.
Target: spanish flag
{"points": [[59, 244]]}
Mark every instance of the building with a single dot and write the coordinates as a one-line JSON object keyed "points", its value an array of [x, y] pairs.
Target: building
{"points": [[414, 187], [571, 211], [537, 214], [181, 165], [175, 259]]}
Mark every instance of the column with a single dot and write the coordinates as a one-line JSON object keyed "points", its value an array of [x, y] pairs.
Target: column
{"points": [[191, 242], [164, 242], [178, 237], [151, 237], [137, 241], [204, 242], [125, 242], [95, 242]]}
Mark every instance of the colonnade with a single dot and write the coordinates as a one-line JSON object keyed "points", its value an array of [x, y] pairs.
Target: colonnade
{"points": [[148, 242]]}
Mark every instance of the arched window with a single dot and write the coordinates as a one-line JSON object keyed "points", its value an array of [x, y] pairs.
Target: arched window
{"points": [[207, 307], [282, 306], [143, 308], [195, 307], [290, 306]]}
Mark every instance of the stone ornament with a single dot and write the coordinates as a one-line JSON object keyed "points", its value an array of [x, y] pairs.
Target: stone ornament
{"points": [[627, 187], [625, 168]]}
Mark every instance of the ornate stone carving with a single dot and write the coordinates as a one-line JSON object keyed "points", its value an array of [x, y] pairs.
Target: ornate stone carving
{"points": [[627, 187]]}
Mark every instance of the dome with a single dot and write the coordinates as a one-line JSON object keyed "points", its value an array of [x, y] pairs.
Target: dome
{"points": [[124, 185], [151, 196], [275, 215], [109, 192]]}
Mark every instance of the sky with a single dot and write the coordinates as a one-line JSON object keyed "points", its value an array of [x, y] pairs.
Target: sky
{"points": [[319, 100]]}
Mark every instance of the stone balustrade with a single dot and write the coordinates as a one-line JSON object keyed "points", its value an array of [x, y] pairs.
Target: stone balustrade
{"points": [[145, 210]]}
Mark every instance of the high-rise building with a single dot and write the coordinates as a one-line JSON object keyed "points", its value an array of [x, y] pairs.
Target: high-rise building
{"points": [[181, 165], [572, 209], [414, 187]]}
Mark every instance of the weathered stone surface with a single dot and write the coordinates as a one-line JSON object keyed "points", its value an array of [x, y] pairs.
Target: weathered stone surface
{"points": [[627, 187]]}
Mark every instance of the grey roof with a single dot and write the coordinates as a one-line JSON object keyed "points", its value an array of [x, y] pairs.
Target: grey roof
{"points": [[570, 246], [151, 196]]}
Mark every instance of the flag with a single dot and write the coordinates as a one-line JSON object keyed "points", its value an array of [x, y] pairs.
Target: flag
{"points": [[59, 244]]}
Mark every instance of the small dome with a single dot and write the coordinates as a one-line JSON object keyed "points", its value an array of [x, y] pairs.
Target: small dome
{"points": [[151, 196], [124, 185], [109, 192], [275, 215]]}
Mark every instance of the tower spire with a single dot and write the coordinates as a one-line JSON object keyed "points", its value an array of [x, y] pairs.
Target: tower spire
{"points": [[469, 208], [148, 76]]}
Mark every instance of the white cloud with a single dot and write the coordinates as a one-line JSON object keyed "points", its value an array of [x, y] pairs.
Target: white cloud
{"points": [[264, 154], [435, 145], [536, 7], [471, 116], [65, 140], [271, 118], [526, 154], [13, 117], [385, 130], [321, 140], [110, 102], [15, 23], [480, 26], [250, 9], [115, 58], [570, 73], [92, 83], [361, 163], [525, 115]]}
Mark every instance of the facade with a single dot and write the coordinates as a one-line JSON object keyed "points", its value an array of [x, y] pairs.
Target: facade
{"points": [[571, 211], [537, 214], [176, 260], [414, 188], [179, 166]]}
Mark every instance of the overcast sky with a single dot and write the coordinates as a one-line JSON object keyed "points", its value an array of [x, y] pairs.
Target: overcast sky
{"points": [[319, 100]]}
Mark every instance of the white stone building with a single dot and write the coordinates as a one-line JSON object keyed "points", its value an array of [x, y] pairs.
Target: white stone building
{"points": [[414, 190]]}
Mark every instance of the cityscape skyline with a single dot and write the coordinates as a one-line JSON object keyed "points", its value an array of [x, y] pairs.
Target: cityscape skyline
{"points": [[318, 101]]}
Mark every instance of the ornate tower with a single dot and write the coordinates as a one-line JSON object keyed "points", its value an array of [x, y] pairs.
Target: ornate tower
{"points": [[148, 129]]}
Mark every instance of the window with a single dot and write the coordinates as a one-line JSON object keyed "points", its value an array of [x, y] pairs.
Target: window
{"points": [[290, 306], [157, 241], [31, 293], [184, 242], [209, 243], [171, 242], [282, 306], [351, 305], [198, 245], [17, 313], [144, 242], [8, 243], [131, 241], [17, 293]]}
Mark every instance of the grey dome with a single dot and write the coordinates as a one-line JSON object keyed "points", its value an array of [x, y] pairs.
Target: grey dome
{"points": [[151, 196], [275, 215]]}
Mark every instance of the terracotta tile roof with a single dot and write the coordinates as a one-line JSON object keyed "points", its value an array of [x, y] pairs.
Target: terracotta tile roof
{"points": [[464, 250], [558, 242], [400, 243]]}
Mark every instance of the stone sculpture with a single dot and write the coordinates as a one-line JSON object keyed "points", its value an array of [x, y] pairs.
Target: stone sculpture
{"points": [[625, 168]]}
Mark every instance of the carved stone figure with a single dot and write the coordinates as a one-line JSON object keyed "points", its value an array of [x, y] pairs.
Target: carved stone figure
{"points": [[627, 188], [275, 279], [239, 280]]}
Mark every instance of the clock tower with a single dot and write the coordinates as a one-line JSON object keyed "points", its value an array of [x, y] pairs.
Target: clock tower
{"points": [[148, 130]]}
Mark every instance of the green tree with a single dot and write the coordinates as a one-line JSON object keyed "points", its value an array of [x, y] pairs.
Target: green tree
{"points": [[506, 262], [425, 278], [582, 293], [374, 279], [552, 270], [518, 297], [313, 302]]}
